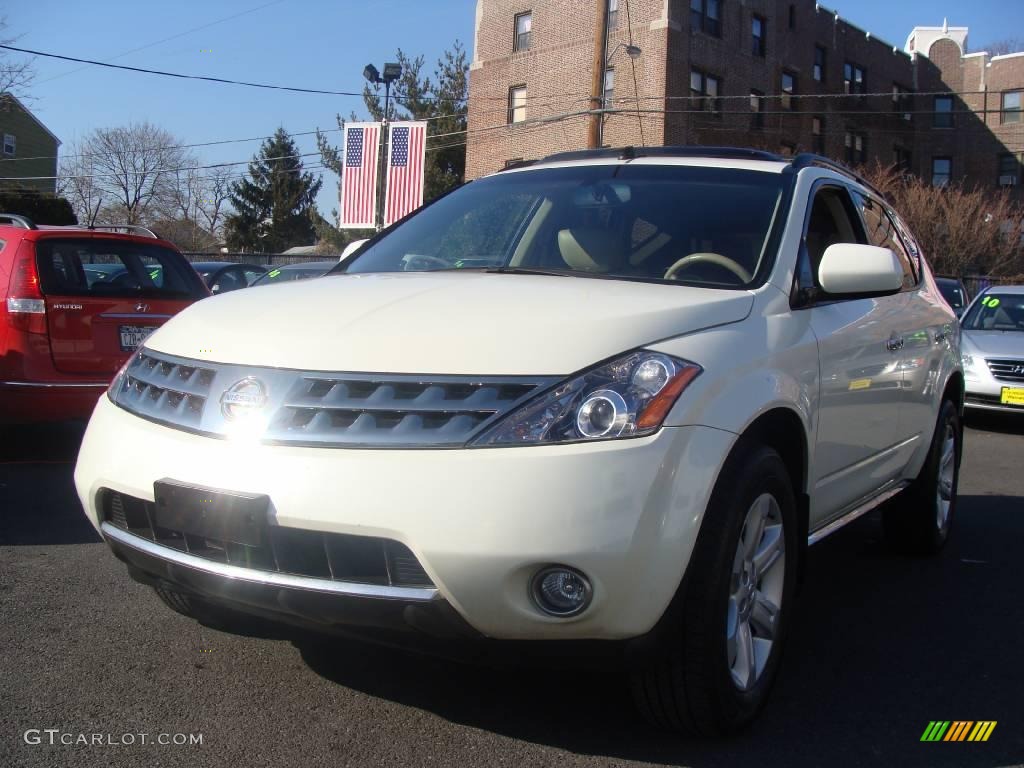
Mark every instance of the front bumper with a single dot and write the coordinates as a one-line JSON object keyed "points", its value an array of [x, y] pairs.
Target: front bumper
{"points": [[480, 521], [982, 391]]}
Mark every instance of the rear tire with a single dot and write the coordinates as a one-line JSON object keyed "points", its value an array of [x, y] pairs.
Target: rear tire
{"points": [[920, 519], [713, 671]]}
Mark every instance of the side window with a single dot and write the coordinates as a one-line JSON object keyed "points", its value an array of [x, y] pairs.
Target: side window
{"points": [[882, 232], [831, 219]]}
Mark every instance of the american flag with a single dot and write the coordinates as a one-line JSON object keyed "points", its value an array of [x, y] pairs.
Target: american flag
{"points": [[405, 170], [359, 177]]}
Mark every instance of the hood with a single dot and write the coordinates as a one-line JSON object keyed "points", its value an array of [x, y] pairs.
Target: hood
{"points": [[442, 322], [993, 343]]}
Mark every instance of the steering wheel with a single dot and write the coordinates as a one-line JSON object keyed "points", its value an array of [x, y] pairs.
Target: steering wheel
{"points": [[422, 258], [716, 259]]}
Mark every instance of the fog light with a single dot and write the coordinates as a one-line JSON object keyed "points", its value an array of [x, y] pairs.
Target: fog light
{"points": [[561, 591]]}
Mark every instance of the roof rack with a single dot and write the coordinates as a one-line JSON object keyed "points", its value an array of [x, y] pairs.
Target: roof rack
{"points": [[16, 220], [809, 159], [131, 229], [630, 153]]}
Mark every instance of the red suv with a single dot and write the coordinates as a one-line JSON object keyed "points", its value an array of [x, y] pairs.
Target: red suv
{"points": [[74, 303]]}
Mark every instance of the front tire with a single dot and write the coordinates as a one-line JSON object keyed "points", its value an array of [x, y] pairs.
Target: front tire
{"points": [[920, 519], [713, 672]]}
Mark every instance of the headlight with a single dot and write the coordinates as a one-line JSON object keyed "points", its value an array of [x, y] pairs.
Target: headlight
{"points": [[628, 397]]}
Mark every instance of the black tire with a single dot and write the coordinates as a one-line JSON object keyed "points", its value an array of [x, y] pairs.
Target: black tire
{"points": [[688, 684], [912, 520]]}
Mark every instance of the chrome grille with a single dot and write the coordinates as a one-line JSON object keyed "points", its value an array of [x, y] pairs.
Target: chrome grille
{"points": [[1006, 370], [163, 389], [324, 409], [391, 411]]}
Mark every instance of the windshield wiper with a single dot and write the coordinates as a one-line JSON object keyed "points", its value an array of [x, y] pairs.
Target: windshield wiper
{"points": [[526, 271]]}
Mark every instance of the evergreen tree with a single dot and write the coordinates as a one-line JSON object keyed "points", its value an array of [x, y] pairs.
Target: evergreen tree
{"points": [[275, 206]]}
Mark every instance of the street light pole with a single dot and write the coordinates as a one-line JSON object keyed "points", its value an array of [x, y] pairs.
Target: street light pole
{"points": [[392, 72]]}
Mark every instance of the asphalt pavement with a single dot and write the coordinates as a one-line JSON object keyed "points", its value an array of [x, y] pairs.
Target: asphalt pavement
{"points": [[881, 645]]}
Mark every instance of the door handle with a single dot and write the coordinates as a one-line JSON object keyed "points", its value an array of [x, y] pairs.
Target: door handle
{"points": [[895, 343]]}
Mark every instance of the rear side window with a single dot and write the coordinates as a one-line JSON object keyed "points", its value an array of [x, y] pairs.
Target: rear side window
{"points": [[114, 268]]}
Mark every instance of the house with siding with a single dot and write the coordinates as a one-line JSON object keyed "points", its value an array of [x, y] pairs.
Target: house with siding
{"points": [[29, 149]]}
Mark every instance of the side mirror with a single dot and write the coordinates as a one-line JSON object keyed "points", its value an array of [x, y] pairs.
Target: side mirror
{"points": [[852, 269], [350, 249]]}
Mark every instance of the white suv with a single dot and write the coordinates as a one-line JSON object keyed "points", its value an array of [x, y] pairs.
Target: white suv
{"points": [[609, 396]]}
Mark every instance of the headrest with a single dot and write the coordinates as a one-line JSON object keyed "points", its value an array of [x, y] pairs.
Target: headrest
{"points": [[587, 250]]}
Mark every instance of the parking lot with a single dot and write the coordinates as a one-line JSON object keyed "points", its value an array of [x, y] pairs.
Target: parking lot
{"points": [[881, 645]]}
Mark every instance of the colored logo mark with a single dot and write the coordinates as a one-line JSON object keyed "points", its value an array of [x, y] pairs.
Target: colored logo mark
{"points": [[958, 730]]}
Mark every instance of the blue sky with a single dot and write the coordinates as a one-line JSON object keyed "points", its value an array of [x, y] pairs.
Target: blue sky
{"points": [[306, 43]]}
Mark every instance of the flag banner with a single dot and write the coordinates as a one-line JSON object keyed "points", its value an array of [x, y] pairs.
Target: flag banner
{"points": [[406, 153], [358, 205]]}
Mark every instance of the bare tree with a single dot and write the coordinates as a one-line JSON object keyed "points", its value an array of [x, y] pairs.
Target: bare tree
{"points": [[134, 169], [1002, 47], [16, 74], [959, 228], [214, 204]]}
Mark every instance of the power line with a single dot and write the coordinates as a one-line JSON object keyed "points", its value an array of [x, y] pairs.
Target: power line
{"points": [[221, 80]]}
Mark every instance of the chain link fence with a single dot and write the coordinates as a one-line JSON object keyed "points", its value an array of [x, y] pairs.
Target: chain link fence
{"points": [[263, 259]]}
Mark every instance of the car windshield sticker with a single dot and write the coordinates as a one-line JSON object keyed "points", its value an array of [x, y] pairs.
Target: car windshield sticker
{"points": [[274, 273], [990, 301]]}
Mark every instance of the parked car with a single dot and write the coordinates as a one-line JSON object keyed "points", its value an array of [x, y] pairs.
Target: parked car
{"points": [[76, 304], [606, 396], [954, 292], [993, 349], [286, 273], [224, 276]]}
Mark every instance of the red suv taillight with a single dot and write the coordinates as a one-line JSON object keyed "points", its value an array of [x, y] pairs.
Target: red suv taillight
{"points": [[26, 306]]}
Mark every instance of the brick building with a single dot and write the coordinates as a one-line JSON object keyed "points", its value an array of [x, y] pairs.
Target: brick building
{"points": [[28, 149], [782, 76]]}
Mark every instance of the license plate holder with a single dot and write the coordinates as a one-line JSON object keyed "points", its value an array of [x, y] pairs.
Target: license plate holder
{"points": [[1012, 396], [211, 513], [132, 336]]}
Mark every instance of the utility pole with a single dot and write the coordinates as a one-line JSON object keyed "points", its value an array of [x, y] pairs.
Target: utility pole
{"points": [[597, 76]]}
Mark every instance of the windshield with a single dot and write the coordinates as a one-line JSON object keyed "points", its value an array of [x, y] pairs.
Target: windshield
{"points": [[699, 226], [287, 274], [952, 293], [996, 312]]}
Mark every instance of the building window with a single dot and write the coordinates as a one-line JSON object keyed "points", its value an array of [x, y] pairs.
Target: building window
{"points": [[854, 79], [10, 145], [1011, 112], [757, 108], [788, 90], [609, 88], [1009, 171], [818, 135], [942, 171], [613, 14], [901, 159], [943, 117], [792, 16], [524, 23], [856, 148], [705, 89], [901, 101], [758, 27], [819, 64], [706, 16], [517, 103]]}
